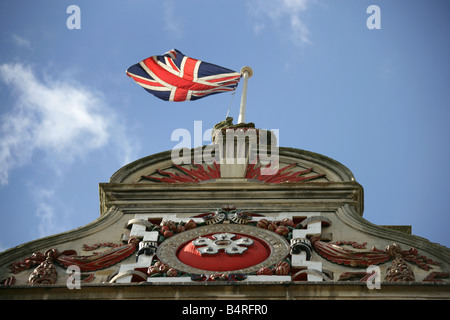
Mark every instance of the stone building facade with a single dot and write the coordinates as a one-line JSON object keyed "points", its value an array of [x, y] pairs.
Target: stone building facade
{"points": [[229, 231]]}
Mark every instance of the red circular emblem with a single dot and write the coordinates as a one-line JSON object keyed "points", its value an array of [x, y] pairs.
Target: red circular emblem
{"points": [[224, 254], [223, 248]]}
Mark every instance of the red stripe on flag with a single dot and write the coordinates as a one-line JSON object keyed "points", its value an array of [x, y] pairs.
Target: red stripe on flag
{"points": [[189, 68], [144, 81]]}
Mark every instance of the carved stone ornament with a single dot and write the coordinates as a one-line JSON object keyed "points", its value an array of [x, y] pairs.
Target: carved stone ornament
{"points": [[69, 258], [222, 241], [399, 270], [45, 273], [335, 253], [276, 247], [227, 213]]}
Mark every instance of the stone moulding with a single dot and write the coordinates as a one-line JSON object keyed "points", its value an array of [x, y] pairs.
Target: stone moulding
{"points": [[348, 290]]}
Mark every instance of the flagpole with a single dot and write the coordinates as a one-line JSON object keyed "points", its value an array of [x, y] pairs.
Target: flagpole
{"points": [[247, 73]]}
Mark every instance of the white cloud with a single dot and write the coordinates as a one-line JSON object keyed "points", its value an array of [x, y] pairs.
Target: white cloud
{"points": [[50, 213], [172, 23], [21, 41], [278, 12], [47, 225], [63, 119]]}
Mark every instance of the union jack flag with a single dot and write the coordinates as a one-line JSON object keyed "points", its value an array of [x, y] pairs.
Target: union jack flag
{"points": [[176, 77]]}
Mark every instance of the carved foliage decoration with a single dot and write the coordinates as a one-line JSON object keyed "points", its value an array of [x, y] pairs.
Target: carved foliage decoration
{"points": [[337, 254], [46, 272], [436, 276], [398, 270], [101, 260]]}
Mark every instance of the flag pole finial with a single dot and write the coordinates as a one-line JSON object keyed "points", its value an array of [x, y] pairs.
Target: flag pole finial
{"points": [[247, 73]]}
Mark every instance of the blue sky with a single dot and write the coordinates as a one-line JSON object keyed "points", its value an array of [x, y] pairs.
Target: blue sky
{"points": [[375, 100]]}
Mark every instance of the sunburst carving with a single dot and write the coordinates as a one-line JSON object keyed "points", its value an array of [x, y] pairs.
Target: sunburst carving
{"points": [[200, 172]]}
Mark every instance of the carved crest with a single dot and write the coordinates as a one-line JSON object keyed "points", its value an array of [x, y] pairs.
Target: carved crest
{"points": [[222, 241]]}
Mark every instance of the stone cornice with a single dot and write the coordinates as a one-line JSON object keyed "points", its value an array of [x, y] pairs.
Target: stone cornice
{"points": [[313, 195], [347, 290]]}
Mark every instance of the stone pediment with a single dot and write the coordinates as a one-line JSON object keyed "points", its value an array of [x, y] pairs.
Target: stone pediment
{"points": [[184, 226], [300, 175], [294, 166]]}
